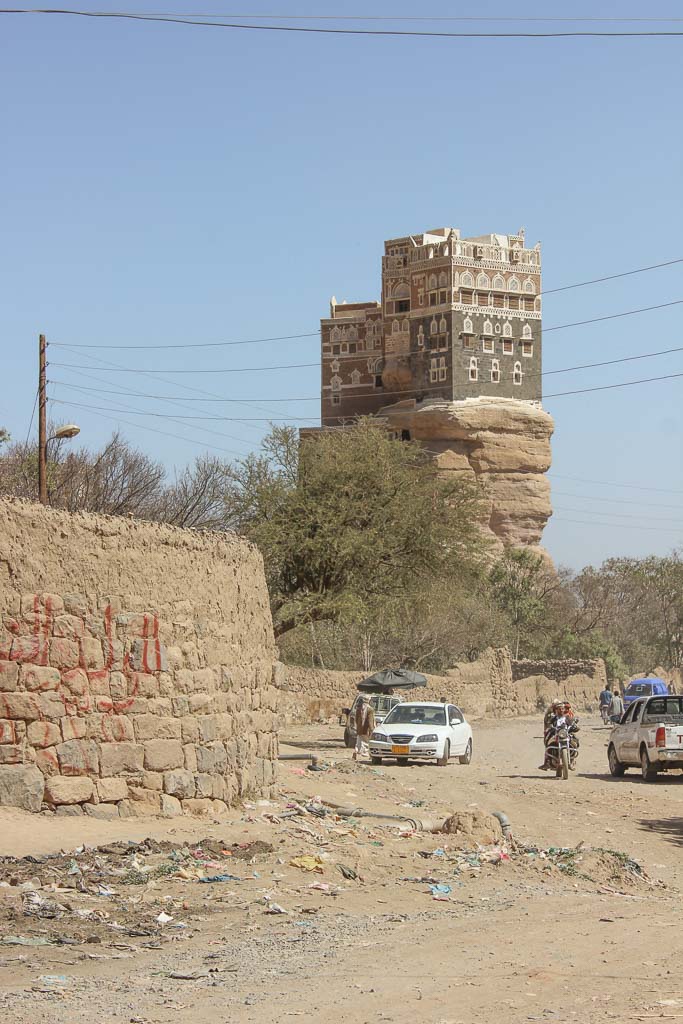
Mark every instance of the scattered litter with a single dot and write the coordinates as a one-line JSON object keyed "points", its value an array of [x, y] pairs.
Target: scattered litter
{"points": [[275, 908], [348, 872], [308, 862], [220, 878], [26, 940], [440, 889], [164, 918]]}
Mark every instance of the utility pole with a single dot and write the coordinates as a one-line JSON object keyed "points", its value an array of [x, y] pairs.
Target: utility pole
{"points": [[42, 421]]}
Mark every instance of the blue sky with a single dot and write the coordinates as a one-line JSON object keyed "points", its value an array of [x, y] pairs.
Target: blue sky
{"points": [[170, 184]]}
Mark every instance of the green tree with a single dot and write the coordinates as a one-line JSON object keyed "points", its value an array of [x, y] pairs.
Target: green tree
{"points": [[521, 582], [350, 519]]}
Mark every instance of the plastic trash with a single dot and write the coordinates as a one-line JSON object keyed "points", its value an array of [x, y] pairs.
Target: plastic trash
{"points": [[220, 878], [348, 872], [440, 889], [309, 862], [26, 940], [164, 918], [275, 908]]}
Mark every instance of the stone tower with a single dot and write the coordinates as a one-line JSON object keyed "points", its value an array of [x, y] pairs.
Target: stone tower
{"points": [[459, 318]]}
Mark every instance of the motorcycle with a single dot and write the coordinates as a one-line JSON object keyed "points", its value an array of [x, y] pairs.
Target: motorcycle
{"points": [[561, 750]]}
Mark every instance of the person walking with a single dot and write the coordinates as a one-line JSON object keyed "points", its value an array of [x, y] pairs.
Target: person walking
{"points": [[605, 700], [365, 725], [616, 708]]}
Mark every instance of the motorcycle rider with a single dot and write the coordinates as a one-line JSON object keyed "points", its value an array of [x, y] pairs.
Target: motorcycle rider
{"points": [[559, 709]]}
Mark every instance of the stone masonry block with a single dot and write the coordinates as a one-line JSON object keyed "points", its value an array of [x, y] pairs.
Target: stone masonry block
{"points": [[206, 760], [20, 705], [11, 753], [200, 808], [149, 656], [79, 757], [112, 790], [104, 812], [116, 729], [73, 728], [46, 761], [75, 682], [44, 734], [9, 676], [98, 681], [161, 755], [37, 679], [181, 707], [12, 732], [201, 703], [27, 648], [160, 706], [179, 783], [153, 780], [92, 653], [64, 654], [76, 605], [171, 807], [150, 727], [208, 729], [147, 685], [70, 626], [119, 758], [59, 790], [190, 753], [204, 785], [190, 730], [21, 786], [118, 686]]}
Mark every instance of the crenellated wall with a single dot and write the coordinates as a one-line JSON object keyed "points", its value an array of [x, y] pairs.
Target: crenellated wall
{"points": [[135, 666]]}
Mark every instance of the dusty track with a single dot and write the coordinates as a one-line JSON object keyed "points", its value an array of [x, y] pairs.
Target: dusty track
{"points": [[512, 943]]}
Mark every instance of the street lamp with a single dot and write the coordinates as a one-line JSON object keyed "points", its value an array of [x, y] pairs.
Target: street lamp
{"points": [[64, 433]]}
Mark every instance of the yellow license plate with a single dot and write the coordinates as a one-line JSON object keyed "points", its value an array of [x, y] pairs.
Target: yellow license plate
{"points": [[400, 750]]}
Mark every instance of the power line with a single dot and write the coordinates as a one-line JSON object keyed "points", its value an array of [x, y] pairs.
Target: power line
{"points": [[621, 515], [399, 17], [390, 394], [28, 432], [623, 526], [154, 430], [315, 334], [404, 33], [609, 387], [613, 316], [240, 369], [181, 419], [611, 483], [192, 344], [610, 277], [612, 501]]}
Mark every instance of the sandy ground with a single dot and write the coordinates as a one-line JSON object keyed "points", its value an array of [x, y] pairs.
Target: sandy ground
{"points": [[520, 940]]}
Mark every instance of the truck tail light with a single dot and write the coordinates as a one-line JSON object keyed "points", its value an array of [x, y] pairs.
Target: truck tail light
{"points": [[660, 737]]}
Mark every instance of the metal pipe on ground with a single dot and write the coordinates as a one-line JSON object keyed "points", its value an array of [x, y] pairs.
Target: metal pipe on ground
{"points": [[418, 824], [313, 758]]}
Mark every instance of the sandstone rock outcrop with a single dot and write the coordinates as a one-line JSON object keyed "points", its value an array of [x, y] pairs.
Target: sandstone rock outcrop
{"points": [[499, 443]]}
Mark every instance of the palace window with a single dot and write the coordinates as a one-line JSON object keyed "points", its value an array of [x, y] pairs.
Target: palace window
{"points": [[437, 369], [402, 306], [467, 281], [526, 332], [529, 286], [508, 347], [433, 328], [517, 374], [507, 330], [513, 284], [378, 380], [433, 282], [483, 281], [499, 283], [495, 371], [335, 350], [420, 336], [355, 378], [527, 349], [487, 344], [335, 383], [474, 368], [443, 279], [336, 399]]}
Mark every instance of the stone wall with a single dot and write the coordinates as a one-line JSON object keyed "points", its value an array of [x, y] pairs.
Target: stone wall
{"points": [[493, 685], [539, 682], [135, 666]]}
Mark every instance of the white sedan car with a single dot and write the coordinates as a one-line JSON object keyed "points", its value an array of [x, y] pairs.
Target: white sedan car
{"points": [[424, 731]]}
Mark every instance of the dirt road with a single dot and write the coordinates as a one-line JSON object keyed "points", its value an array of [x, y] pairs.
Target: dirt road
{"points": [[541, 936]]}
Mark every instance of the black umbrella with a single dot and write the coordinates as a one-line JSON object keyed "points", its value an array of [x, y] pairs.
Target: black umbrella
{"points": [[392, 679]]}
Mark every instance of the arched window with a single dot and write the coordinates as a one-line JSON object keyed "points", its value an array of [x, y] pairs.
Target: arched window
{"points": [[401, 291], [513, 284], [352, 333], [529, 286], [335, 334], [395, 327], [336, 383], [405, 327], [474, 368], [495, 371], [433, 327], [526, 332], [467, 281], [517, 374], [445, 250], [499, 283], [487, 328], [467, 326], [420, 336], [443, 326], [355, 378], [334, 366], [433, 283], [430, 252], [507, 330], [443, 279], [483, 281]]}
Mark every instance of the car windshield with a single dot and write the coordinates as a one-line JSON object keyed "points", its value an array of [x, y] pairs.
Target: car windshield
{"points": [[639, 689], [383, 704], [416, 714], [664, 706]]}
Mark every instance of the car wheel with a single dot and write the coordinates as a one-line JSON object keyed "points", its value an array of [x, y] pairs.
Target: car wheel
{"points": [[647, 771], [615, 765], [443, 760], [376, 760], [349, 738], [466, 758]]}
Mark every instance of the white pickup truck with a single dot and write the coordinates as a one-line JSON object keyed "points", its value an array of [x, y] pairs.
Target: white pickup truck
{"points": [[649, 736]]}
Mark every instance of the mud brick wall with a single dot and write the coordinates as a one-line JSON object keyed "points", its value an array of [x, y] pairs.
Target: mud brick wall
{"points": [[493, 685], [136, 667]]}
